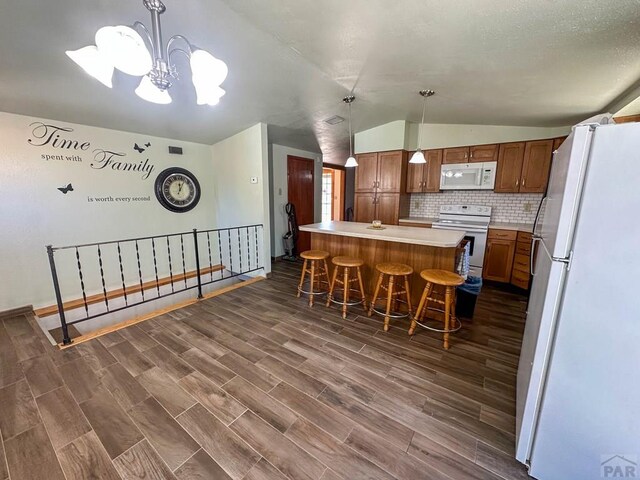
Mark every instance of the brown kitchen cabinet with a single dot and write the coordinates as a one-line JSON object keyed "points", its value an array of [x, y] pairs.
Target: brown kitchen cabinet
{"points": [[380, 206], [521, 272], [366, 172], [536, 166], [380, 172], [483, 153], [557, 142], [498, 257], [423, 177], [523, 167], [455, 155]]}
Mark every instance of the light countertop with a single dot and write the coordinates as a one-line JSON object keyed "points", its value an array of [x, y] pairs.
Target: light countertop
{"points": [[391, 233], [521, 227]]}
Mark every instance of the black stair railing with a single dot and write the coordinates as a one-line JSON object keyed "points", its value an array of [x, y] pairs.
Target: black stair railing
{"points": [[119, 274]]}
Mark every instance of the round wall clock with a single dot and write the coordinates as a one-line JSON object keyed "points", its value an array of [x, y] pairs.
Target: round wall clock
{"points": [[177, 189]]}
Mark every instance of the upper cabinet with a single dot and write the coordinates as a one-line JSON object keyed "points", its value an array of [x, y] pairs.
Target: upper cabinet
{"points": [[557, 142], [455, 155], [423, 177], [483, 153], [536, 166], [510, 157], [380, 172], [366, 172], [523, 167]]}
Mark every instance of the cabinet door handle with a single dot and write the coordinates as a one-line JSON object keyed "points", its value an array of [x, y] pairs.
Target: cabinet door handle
{"points": [[373, 185], [523, 181], [378, 184], [471, 154], [517, 182]]}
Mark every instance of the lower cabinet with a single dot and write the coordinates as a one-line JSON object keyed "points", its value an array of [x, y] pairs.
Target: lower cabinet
{"points": [[498, 257], [381, 206], [521, 273]]}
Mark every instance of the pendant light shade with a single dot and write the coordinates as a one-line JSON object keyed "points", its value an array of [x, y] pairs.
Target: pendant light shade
{"points": [[92, 61], [418, 157], [149, 92], [125, 49], [351, 161]]}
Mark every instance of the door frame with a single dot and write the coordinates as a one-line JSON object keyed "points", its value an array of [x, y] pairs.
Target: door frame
{"points": [[343, 184]]}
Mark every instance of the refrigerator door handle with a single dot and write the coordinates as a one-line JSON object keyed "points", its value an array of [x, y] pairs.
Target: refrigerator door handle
{"points": [[534, 239]]}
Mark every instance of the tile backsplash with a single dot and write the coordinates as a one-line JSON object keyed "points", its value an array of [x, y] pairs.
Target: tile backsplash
{"points": [[506, 207]]}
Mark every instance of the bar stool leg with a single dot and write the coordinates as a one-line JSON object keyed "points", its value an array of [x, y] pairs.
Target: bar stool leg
{"points": [[364, 299], [447, 315], [375, 293], [313, 277], [346, 286], [304, 270], [408, 293], [389, 301], [332, 285], [422, 307], [326, 271]]}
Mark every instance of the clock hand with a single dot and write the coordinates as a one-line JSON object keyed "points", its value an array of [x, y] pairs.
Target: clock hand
{"points": [[180, 187]]}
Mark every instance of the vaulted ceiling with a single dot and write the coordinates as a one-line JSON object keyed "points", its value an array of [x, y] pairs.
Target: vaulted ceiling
{"points": [[517, 62]]}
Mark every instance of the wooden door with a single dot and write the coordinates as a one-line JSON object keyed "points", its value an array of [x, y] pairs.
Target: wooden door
{"points": [[455, 155], [388, 208], [300, 183], [536, 166], [483, 153], [366, 172], [390, 169], [557, 142], [509, 169], [432, 170], [338, 194], [415, 176], [498, 260], [364, 207]]}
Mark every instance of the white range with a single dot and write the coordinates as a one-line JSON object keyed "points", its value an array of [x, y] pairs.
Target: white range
{"points": [[474, 221]]}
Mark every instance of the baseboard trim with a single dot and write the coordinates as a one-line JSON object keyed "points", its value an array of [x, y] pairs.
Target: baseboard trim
{"points": [[14, 312], [127, 323]]}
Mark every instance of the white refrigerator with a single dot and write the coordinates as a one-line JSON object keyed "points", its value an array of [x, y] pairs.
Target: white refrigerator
{"points": [[578, 390]]}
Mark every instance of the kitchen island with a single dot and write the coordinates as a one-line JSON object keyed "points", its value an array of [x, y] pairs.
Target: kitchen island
{"points": [[417, 247]]}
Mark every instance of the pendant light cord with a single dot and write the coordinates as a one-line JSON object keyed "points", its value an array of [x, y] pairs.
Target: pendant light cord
{"points": [[424, 106], [350, 140]]}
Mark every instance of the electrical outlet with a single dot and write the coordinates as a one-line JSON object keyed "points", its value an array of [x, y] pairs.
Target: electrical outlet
{"points": [[527, 207], [254, 179]]}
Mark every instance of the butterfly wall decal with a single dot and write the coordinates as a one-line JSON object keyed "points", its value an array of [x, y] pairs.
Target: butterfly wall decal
{"points": [[67, 189], [148, 144], [138, 148]]}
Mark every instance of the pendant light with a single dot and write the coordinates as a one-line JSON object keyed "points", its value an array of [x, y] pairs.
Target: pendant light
{"points": [[351, 161], [418, 157]]}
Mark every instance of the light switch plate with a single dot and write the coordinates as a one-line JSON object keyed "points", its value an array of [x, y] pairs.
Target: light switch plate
{"points": [[254, 179]]}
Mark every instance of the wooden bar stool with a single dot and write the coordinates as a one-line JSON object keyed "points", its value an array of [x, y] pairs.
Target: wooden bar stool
{"points": [[449, 281], [315, 264], [393, 271], [349, 264]]}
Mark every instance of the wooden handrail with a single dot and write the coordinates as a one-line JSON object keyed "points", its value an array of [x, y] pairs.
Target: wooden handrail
{"points": [[111, 294]]}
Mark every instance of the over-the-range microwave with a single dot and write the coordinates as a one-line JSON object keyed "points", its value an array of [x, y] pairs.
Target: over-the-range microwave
{"points": [[468, 176]]}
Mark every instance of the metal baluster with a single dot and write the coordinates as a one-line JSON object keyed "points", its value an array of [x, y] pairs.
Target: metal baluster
{"points": [[255, 232], [230, 254], [248, 251], [239, 249], [155, 264], [197, 250], [104, 286], [220, 250], [210, 261], [66, 340], [184, 266], [84, 294], [139, 270], [124, 288], [170, 266]]}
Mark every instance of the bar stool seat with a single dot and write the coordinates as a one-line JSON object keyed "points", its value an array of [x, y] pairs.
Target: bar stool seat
{"points": [[315, 264], [348, 264], [449, 281], [394, 271]]}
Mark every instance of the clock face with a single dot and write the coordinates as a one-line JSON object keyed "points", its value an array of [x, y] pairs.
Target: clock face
{"points": [[177, 189]]}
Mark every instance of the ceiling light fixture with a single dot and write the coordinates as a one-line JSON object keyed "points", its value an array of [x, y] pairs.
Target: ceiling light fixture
{"points": [[418, 156], [351, 161], [123, 47]]}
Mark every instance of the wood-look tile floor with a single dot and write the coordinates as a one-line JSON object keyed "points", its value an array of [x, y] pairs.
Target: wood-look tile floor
{"points": [[255, 385]]}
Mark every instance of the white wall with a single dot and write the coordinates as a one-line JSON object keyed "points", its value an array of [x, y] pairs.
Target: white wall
{"points": [[280, 193], [34, 213], [401, 135], [235, 161]]}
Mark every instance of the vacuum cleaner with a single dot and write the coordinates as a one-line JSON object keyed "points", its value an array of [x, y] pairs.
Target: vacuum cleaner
{"points": [[290, 238]]}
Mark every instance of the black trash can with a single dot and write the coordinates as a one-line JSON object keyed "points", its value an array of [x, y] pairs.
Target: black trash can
{"points": [[466, 296]]}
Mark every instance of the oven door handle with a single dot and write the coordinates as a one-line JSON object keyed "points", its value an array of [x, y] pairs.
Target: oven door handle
{"points": [[461, 229]]}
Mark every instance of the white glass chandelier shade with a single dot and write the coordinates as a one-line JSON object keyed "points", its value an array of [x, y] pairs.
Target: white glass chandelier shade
{"points": [[94, 62], [149, 92], [351, 162], [418, 157], [126, 50], [206, 66]]}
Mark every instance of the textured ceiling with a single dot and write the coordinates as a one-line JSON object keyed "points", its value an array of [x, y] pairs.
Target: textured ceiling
{"points": [[542, 63]]}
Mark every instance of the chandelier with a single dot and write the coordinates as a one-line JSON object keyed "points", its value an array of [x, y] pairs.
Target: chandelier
{"points": [[124, 48]]}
